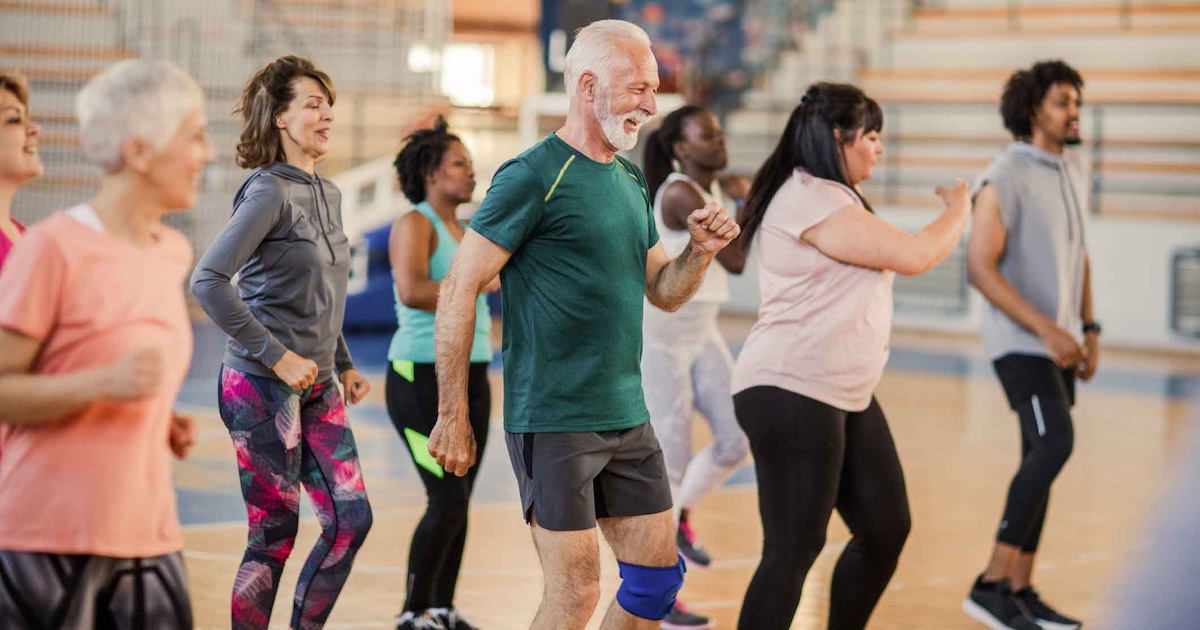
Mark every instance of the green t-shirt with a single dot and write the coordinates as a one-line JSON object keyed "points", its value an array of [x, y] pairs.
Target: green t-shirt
{"points": [[578, 231]]}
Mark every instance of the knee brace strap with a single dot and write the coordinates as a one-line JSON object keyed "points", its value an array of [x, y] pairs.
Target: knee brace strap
{"points": [[649, 592]]}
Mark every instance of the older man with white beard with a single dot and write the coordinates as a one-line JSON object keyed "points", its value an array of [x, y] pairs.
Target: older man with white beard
{"points": [[568, 226]]}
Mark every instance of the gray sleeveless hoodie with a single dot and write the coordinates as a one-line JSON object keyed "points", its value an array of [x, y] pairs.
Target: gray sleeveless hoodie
{"points": [[1043, 198]]}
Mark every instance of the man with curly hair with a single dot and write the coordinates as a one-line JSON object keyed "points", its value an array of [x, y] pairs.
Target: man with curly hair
{"points": [[1028, 257]]}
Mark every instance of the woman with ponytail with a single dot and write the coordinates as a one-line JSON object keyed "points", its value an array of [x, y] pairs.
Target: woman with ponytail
{"points": [[804, 382], [277, 388], [436, 174], [686, 364]]}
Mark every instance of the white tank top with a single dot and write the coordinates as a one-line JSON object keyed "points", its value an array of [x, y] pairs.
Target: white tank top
{"points": [[716, 284]]}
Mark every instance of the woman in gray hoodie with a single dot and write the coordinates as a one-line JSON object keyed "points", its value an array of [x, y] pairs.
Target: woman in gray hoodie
{"points": [[284, 317]]}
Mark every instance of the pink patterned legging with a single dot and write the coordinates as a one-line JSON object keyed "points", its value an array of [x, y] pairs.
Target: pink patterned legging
{"points": [[284, 438]]}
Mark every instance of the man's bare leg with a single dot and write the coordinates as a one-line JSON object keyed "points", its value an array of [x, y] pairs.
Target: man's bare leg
{"points": [[571, 568]]}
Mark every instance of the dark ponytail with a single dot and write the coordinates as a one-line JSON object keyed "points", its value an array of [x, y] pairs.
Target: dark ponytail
{"points": [[421, 156], [660, 147], [267, 94], [808, 142]]}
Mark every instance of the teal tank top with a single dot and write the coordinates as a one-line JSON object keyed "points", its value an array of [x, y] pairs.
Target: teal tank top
{"points": [[413, 341]]}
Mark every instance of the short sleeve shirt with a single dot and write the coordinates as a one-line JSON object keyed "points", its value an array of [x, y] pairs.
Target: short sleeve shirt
{"points": [[579, 232], [98, 481]]}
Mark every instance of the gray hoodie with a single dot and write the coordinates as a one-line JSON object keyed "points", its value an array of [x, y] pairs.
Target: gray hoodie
{"points": [[1043, 197], [285, 242]]}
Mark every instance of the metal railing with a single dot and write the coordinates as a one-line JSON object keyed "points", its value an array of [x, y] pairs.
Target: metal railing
{"points": [[1016, 7]]}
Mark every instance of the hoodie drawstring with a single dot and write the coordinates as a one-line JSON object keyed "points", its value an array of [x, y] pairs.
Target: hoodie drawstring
{"points": [[1074, 216], [328, 217], [1075, 201]]}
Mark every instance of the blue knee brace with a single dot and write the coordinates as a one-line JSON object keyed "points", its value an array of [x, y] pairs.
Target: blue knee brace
{"points": [[649, 592]]}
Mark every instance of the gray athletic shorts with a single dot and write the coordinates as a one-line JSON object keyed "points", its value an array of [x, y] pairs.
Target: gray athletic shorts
{"points": [[568, 480]]}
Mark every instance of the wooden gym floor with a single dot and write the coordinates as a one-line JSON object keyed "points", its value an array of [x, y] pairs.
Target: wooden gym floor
{"points": [[957, 440]]}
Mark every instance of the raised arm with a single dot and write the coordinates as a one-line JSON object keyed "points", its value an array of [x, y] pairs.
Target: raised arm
{"points": [[452, 442], [671, 283], [679, 201], [855, 236], [733, 258]]}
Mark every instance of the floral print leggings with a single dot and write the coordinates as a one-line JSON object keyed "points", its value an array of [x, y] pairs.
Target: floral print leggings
{"points": [[285, 438]]}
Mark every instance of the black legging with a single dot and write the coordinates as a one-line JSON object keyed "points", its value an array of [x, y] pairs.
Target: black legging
{"points": [[1042, 394], [810, 458], [436, 553]]}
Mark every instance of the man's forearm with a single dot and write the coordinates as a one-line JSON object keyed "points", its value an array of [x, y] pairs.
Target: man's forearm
{"points": [[679, 279], [1002, 295], [454, 330]]}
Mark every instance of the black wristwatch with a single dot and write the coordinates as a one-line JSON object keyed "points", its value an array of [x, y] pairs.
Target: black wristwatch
{"points": [[1091, 327]]}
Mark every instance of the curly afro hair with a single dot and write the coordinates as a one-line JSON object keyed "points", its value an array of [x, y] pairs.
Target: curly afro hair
{"points": [[421, 156], [1026, 89]]}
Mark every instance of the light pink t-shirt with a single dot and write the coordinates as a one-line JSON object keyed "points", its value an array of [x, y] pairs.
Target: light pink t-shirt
{"points": [[823, 327], [99, 481]]}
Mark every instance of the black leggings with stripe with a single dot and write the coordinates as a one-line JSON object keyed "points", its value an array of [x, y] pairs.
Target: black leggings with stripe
{"points": [[436, 553], [1042, 394], [40, 591]]}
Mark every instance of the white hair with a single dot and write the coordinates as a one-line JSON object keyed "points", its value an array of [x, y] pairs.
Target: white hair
{"points": [[592, 50], [136, 98]]}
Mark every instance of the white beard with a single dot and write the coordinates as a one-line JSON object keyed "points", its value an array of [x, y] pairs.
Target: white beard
{"points": [[614, 126]]}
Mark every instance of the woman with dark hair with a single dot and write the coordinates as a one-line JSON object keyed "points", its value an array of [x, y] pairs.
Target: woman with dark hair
{"points": [[277, 394], [19, 160], [686, 364], [804, 382], [435, 173]]}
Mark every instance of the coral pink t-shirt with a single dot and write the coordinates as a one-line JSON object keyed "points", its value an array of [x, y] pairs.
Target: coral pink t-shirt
{"points": [[824, 326], [7, 245], [98, 481]]}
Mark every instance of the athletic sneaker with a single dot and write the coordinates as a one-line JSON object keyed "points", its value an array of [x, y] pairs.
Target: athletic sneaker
{"points": [[1045, 616], [680, 619], [993, 605], [691, 549], [409, 620], [451, 619]]}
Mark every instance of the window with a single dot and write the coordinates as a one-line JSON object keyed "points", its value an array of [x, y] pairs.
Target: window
{"points": [[468, 74], [1185, 293]]}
